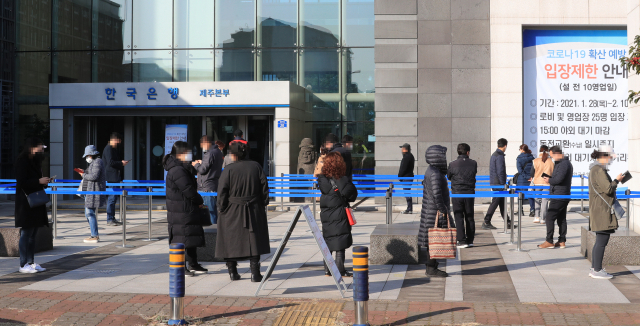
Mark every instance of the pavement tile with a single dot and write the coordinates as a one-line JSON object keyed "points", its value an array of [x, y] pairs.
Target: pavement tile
{"points": [[113, 320]]}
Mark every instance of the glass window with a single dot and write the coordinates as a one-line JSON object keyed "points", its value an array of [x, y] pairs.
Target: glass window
{"points": [[33, 20], [33, 121], [278, 64], [193, 65], [360, 70], [157, 140], [72, 25], [235, 23], [320, 21], [278, 23], [111, 66], [320, 70], [362, 154], [359, 19], [71, 67], [33, 71], [234, 65], [321, 130], [152, 28], [325, 110], [361, 111], [151, 66], [112, 25], [222, 128], [193, 24]]}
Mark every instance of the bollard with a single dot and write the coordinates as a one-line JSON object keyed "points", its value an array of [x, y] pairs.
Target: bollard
{"points": [[176, 284], [361, 285], [389, 199], [628, 193], [582, 193], [123, 217], [150, 189], [505, 215], [54, 214], [282, 198], [519, 243]]}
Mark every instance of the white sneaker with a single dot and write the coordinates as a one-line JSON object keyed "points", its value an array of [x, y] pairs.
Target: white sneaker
{"points": [[536, 220], [27, 269], [92, 240], [602, 274], [38, 268], [542, 221]]}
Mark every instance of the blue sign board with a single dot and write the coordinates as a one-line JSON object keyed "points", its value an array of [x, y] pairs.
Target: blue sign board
{"points": [[282, 123]]}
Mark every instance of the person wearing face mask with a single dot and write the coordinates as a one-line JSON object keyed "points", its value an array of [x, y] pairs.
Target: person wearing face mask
{"points": [[29, 179], [542, 164], [209, 169], [560, 182], [602, 193], [183, 201], [94, 178]]}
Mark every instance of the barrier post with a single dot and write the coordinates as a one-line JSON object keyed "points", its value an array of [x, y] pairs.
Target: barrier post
{"points": [[519, 243], [389, 199], [513, 216], [54, 213], [123, 217], [582, 193], [281, 194], [628, 193], [150, 190], [313, 188], [176, 284], [505, 215], [361, 285]]}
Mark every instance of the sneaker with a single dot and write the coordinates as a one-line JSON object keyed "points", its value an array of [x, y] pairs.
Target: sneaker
{"points": [[92, 240], [602, 274], [114, 223], [591, 270], [532, 214], [560, 245], [38, 268], [406, 212], [189, 273], [536, 220], [27, 269], [469, 245], [462, 244], [198, 269], [542, 221], [488, 226], [515, 226], [546, 245]]}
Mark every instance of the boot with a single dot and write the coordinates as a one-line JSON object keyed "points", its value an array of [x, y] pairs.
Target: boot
{"points": [[327, 272], [232, 266], [433, 271], [340, 256], [254, 262]]}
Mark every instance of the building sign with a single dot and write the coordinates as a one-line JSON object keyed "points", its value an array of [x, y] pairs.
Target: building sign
{"points": [[575, 93], [282, 123], [172, 134]]}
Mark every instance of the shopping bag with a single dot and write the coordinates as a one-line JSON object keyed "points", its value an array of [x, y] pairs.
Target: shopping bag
{"points": [[442, 241], [350, 217]]}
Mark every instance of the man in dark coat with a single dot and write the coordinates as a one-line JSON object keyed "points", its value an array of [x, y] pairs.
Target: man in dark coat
{"points": [[243, 194], [498, 178], [560, 183], [209, 170], [406, 170], [115, 173], [332, 145], [435, 199], [462, 174]]}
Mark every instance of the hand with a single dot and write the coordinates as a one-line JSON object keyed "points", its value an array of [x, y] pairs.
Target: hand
{"points": [[194, 163], [529, 179], [44, 181], [620, 177], [546, 179], [199, 161], [124, 163]]}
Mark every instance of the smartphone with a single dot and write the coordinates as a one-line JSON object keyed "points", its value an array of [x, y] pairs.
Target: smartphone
{"points": [[626, 177], [544, 175], [53, 178], [78, 170]]}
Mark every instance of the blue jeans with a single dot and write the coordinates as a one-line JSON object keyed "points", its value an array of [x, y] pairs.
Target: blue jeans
{"points": [[90, 214], [211, 202], [111, 207], [27, 245]]}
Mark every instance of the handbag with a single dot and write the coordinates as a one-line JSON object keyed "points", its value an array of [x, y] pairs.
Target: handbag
{"points": [[37, 199], [205, 216], [615, 207], [442, 241], [348, 209], [514, 181]]}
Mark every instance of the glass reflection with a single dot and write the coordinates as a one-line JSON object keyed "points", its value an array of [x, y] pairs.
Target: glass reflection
{"points": [[360, 70], [72, 24], [193, 65], [111, 66], [325, 111], [152, 24], [278, 23], [112, 29], [71, 67], [33, 20], [235, 23], [320, 21], [193, 24], [234, 65], [33, 69], [278, 64], [320, 70], [359, 23], [363, 134], [151, 66]]}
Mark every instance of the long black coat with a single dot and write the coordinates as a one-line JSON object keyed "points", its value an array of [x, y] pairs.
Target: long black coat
{"points": [[113, 164], [243, 194], [28, 181], [183, 200], [336, 230], [346, 156], [435, 194]]}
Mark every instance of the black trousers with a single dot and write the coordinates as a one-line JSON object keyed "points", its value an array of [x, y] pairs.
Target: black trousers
{"points": [[495, 202], [409, 201], [465, 222], [191, 256], [557, 212], [597, 255]]}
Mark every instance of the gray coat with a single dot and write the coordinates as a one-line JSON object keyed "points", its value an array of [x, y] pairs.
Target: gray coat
{"points": [[95, 178]]}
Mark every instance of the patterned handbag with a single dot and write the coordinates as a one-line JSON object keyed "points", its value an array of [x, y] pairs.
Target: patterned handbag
{"points": [[442, 241]]}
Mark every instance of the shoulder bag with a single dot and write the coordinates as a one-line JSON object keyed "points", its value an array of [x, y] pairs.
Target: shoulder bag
{"points": [[442, 241], [205, 215], [352, 220], [615, 208], [37, 199]]}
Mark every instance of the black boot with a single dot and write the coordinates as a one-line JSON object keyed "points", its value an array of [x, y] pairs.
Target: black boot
{"points": [[327, 272], [255, 269], [340, 256], [433, 271], [232, 266]]}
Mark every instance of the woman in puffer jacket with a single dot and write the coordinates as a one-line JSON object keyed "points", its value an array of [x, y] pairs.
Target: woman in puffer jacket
{"points": [[435, 199]]}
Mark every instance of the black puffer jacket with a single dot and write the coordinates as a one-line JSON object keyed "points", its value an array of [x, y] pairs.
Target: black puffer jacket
{"points": [[435, 196], [462, 174], [336, 230], [182, 205]]}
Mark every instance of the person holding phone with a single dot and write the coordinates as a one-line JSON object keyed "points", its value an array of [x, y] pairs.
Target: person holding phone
{"points": [[541, 165], [29, 179], [560, 182], [115, 172], [93, 179]]}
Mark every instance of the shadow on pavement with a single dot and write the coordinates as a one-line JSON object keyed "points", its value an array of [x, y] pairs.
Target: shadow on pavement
{"points": [[426, 315], [245, 312]]}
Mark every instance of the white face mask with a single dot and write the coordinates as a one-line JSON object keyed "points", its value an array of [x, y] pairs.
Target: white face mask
{"points": [[188, 157], [89, 160]]}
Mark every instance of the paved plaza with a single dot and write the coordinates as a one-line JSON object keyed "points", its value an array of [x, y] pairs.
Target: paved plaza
{"points": [[101, 284]]}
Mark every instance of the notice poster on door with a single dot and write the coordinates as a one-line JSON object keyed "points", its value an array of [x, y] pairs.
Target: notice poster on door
{"points": [[575, 93], [172, 134]]}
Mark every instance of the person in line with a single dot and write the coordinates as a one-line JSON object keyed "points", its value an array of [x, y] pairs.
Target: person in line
{"points": [[542, 164], [94, 178], [602, 193], [183, 203], [243, 231], [29, 179], [318, 169], [347, 142], [406, 170], [560, 182], [115, 173], [435, 200], [331, 144], [524, 163], [337, 190], [209, 170], [497, 178], [237, 135], [462, 174]]}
